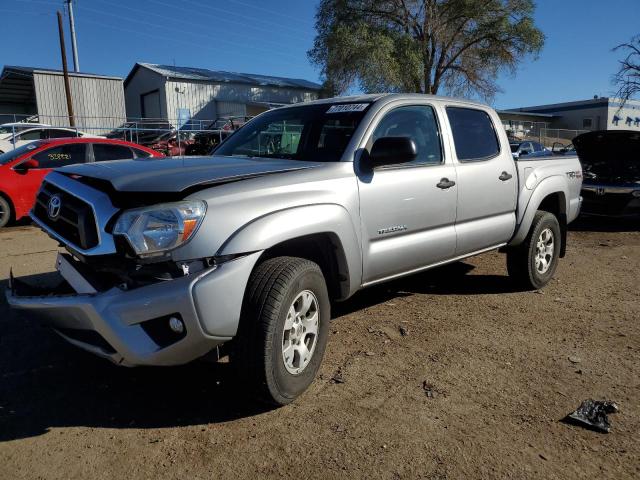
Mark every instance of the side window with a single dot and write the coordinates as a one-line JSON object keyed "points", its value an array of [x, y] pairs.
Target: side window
{"points": [[473, 134], [103, 152], [59, 133], [60, 156], [31, 135], [141, 153], [417, 122]]}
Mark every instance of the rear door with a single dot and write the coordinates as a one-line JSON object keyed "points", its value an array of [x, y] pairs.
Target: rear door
{"points": [[487, 179], [407, 220]]}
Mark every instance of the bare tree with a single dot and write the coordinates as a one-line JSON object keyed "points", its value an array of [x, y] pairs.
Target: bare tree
{"points": [[627, 79]]}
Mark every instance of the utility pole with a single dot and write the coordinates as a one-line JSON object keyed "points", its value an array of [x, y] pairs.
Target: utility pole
{"points": [[65, 71], [74, 44]]}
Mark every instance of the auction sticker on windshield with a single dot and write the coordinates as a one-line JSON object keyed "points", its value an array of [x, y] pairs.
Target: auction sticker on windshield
{"points": [[348, 107]]}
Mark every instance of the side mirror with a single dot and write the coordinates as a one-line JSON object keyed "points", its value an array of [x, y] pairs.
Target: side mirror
{"points": [[524, 152], [392, 150], [27, 165]]}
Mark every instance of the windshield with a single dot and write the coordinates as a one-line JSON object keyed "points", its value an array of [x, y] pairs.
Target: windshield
{"points": [[11, 155], [514, 147], [318, 133]]}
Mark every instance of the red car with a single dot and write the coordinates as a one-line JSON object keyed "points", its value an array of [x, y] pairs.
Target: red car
{"points": [[22, 169]]}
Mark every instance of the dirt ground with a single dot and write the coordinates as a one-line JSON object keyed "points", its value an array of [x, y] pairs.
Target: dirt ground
{"points": [[495, 361]]}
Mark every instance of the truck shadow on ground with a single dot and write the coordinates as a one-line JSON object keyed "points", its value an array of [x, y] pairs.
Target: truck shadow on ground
{"points": [[46, 383]]}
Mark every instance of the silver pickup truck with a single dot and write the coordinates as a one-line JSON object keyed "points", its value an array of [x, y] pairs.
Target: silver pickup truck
{"points": [[243, 253]]}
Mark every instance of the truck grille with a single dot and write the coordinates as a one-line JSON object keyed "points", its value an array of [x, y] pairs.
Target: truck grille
{"points": [[75, 221]]}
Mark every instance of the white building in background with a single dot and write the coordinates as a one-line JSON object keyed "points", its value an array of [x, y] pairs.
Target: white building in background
{"points": [[599, 113], [180, 94]]}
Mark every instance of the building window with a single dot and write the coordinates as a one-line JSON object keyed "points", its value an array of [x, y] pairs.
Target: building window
{"points": [[587, 123]]}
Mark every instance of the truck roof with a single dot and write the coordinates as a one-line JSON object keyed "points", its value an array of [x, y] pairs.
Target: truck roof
{"points": [[388, 97]]}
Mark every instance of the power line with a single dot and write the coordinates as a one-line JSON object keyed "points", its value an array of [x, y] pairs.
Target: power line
{"points": [[245, 25], [36, 1], [284, 15], [247, 17], [163, 37], [156, 25], [191, 23], [22, 12]]}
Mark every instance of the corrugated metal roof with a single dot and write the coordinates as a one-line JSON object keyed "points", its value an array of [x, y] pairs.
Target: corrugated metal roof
{"points": [[218, 76], [29, 71]]}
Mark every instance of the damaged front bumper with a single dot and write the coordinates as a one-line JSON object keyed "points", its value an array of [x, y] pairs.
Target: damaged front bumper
{"points": [[132, 327]]}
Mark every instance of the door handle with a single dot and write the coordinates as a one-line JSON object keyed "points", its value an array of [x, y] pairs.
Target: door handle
{"points": [[504, 176], [445, 183]]}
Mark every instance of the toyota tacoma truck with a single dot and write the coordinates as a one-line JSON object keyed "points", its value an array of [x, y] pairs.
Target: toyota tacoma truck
{"points": [[243, 253]]}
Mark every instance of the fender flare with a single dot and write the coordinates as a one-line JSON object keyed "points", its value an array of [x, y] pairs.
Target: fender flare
{"points": [[276, 227], [548, 186]]}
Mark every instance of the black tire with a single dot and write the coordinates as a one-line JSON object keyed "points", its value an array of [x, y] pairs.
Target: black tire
{"points": [[257, 353], [6, 214], [521, 260]]}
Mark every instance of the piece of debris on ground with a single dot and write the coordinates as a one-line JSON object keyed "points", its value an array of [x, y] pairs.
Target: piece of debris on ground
{"points": [[592, 414]]}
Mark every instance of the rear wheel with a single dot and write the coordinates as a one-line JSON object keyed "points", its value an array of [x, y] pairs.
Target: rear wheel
{"points": [[283, 330], [5, 212], [533, 263]]}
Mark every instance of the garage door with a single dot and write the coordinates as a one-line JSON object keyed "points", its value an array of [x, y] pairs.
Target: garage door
{"points": [[151, 105], [231, 109]]}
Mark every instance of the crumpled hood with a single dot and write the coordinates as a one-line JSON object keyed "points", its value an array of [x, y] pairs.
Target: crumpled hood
{"points": [[180, 173]]}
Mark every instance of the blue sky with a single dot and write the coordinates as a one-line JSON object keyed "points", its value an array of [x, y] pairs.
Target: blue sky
{"points": [[272, 37]]}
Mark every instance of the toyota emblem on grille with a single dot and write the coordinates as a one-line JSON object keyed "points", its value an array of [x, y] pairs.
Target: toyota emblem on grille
{"points": [[55, 204]]}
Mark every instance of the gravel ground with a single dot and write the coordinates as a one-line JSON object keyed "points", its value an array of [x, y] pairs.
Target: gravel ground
{"points": [[449, 374]]}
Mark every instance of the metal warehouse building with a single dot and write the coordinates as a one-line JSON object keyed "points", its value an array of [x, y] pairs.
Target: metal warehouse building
{"points": [[180, 94], [98, 100]]}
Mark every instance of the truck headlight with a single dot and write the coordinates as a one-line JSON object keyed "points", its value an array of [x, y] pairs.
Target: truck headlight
{"points": [[155, 229]]}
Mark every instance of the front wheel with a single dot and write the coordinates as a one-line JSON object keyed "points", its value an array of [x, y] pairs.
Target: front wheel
{"points": [[5, 212], [533, 263], [283, 329]]}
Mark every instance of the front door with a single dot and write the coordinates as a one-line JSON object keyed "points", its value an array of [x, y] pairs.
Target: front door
{"points": [[407, 219]]}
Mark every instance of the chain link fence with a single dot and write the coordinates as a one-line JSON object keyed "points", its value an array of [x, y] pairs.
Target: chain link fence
{"points": [[169, 136], [539, 132]]}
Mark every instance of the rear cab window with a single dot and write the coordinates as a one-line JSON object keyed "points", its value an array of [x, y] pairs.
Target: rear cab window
{"points": [[474, 135]]}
